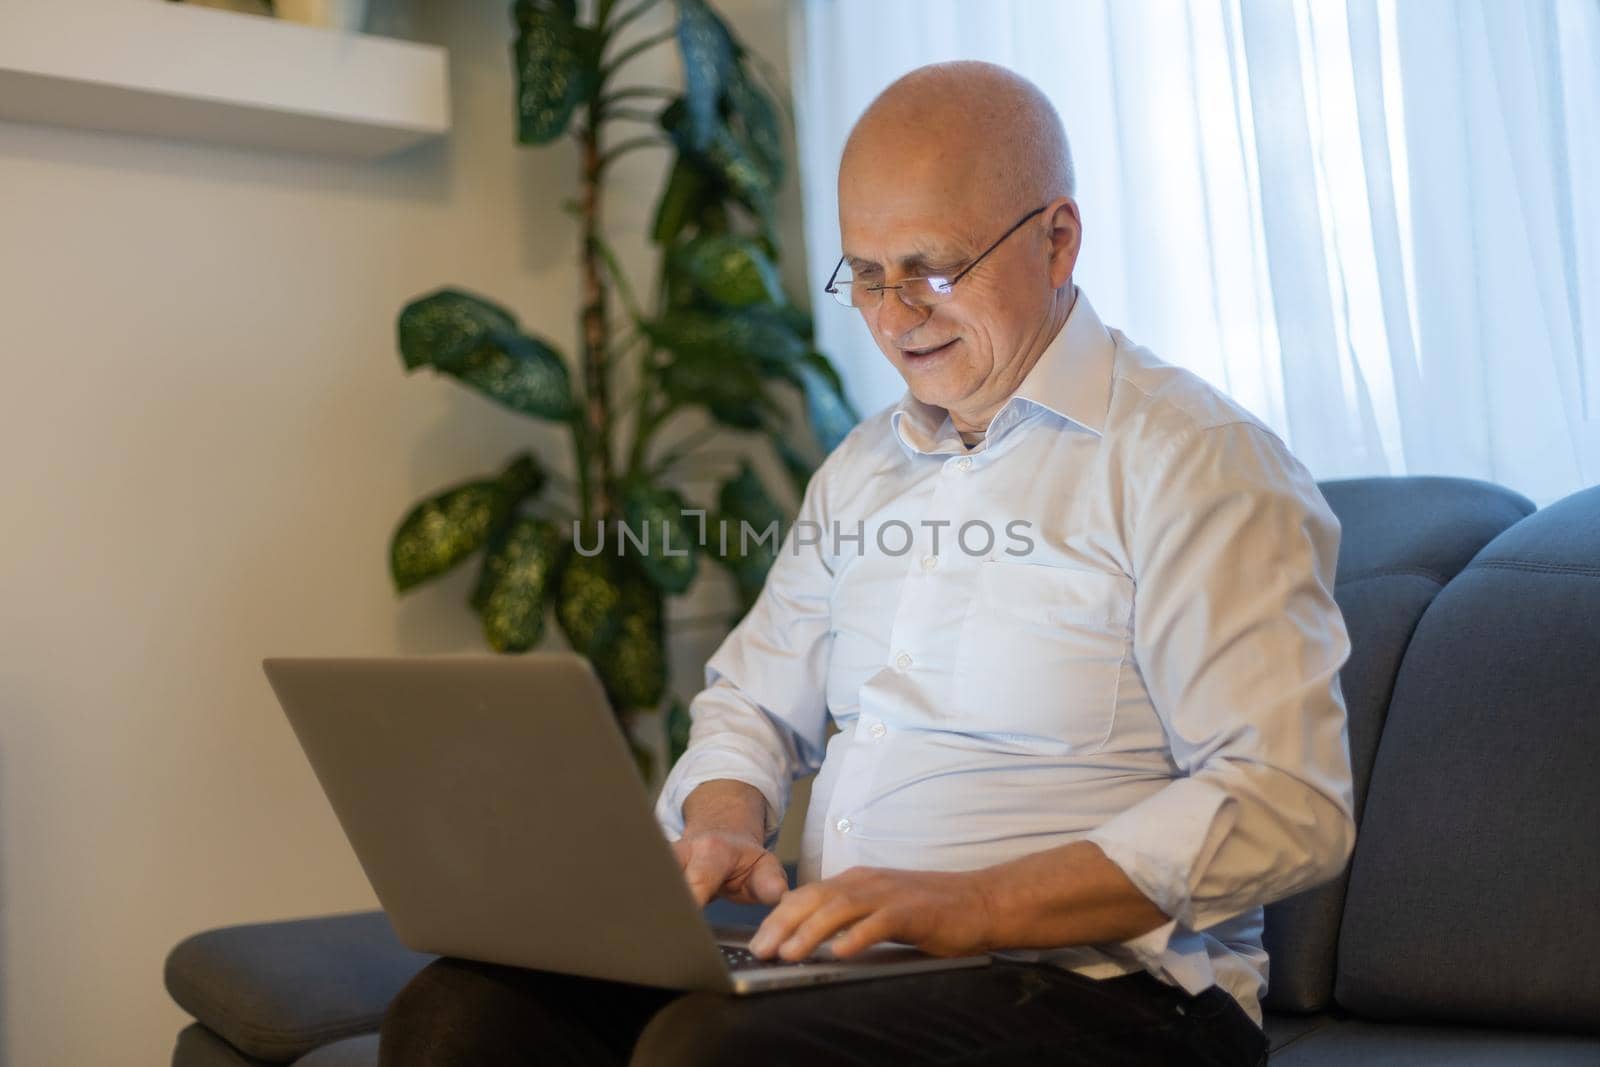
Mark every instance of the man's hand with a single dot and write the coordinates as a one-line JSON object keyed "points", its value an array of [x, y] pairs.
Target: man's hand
{"points": [[716, 863], [944, 914], [1072, 894], [721, 851]]}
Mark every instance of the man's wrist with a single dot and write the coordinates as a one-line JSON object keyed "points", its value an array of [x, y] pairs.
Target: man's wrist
{"points": [[995, 906], [726, 805]]}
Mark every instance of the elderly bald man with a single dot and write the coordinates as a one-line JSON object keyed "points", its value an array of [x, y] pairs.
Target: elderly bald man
{"points": [[1086, 692]]}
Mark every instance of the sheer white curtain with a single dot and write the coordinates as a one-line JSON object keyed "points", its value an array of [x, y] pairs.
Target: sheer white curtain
{"points": [[1374, 223]]}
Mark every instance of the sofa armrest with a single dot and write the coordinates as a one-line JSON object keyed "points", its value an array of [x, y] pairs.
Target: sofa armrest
{"points": [[278, 990]]}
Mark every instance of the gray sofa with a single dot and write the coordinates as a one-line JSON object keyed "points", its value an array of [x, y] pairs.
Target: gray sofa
{"points": [[1466, 928]]}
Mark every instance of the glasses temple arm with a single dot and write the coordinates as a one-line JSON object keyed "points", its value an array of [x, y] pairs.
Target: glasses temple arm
{"points": [[1014, 228]]}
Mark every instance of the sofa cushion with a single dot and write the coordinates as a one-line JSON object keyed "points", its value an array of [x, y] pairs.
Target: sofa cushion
{"points": [[199, 1047], [1401, 540], [1432, 526], [1355, 1043], [1473, 884], [276, 991], [1283, 1030], [351, 1052]]}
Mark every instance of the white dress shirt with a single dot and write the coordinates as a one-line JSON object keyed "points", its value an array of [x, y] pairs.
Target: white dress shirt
{"points": [[1147, 656]]}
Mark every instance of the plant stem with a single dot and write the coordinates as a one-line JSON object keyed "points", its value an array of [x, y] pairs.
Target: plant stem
{"points": [[630, 145], [609, 256], [683, 448], [595, 328], [630, 14], [635, 49], [653, 92], [631, 114], [580, 452], [643, 426]]}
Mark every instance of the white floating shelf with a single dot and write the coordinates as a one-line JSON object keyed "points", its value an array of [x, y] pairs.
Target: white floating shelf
{"points": [[175, 70]]}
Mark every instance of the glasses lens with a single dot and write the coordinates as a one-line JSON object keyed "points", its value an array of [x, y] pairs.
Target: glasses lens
{"points": [[920, 292], [913, 291], [845, 292]]}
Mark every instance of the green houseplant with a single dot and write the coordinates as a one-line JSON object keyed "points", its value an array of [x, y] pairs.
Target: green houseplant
{"points": [[719, 337]]}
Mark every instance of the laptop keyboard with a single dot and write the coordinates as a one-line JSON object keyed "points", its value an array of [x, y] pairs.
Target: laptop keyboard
{"points": [[740, 958]]}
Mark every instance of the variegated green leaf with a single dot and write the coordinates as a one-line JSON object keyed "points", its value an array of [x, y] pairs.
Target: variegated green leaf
{"points": [[745, 178], [730, 389], [678, 724], [745, 497], [750, 533], [757, 124], [656, 518], [708, 59], [523, 477], [611, 613], [832, 417], [731, 270], [718, 359], [588, 598], [798, 320], [513, 587], [728, 163], [755, 335], [522, 373], [445, 327], [681, 201], [556, 65], [441, 532], [633, 662], [478, 343]]}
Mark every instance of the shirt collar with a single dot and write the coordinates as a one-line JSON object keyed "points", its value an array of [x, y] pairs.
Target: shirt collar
{"points": [[1072, 379]]}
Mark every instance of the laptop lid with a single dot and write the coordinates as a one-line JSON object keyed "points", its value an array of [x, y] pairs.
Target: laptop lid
{"points": [[494, 805]]}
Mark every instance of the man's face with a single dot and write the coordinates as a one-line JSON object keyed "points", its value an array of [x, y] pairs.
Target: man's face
{"points": [[969, 353]]}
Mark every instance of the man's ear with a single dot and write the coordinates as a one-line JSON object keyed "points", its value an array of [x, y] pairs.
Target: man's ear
{"points": [[1066, 238]]}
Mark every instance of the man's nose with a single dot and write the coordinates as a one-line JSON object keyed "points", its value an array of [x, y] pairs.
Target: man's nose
{"points": [[896, 318]]}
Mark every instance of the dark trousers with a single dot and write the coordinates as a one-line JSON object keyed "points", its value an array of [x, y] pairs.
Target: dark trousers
{"points": [[456, 1013]]}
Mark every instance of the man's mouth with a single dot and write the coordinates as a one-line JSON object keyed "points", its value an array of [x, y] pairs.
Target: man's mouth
{"points": [[930, 350]]}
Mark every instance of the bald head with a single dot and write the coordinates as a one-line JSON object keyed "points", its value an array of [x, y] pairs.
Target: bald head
{"points": [[984, 132], [960, 171]]}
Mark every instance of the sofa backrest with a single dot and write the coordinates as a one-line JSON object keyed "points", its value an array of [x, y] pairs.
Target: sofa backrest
{"points": [[1474, 890], [1402, 540]]}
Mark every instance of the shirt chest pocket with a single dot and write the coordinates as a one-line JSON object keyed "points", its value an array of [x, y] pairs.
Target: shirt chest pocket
{"points": [[1042, 652]]}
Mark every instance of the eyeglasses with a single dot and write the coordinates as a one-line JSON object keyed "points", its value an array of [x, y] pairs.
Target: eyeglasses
{"points": [[918, 290]]}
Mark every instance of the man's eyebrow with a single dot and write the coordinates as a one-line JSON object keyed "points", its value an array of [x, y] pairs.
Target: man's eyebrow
{"points": [[918, 260]]}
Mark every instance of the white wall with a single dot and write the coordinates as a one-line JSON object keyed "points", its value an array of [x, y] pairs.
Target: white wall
{"points": [[206, 439]]}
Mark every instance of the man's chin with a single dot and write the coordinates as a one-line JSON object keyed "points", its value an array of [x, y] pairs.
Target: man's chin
{"points": [[940, 388], [934, 397]]}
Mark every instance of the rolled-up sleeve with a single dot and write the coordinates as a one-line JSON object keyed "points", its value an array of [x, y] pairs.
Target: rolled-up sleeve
{"points": [[1239, 641], [762, 717]]}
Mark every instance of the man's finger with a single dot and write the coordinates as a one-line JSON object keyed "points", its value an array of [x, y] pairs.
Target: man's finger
{"points": [[768, 882], [781, 922], [705, 877], [863, 935], [833, 916]]}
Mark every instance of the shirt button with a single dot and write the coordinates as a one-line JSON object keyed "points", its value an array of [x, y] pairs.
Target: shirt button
{"points": [[877, 730], [843, 826], [929, 562], [964, 463], [903, 660]]}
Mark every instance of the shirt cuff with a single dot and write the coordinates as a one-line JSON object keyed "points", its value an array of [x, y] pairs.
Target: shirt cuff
{"points": [[1164, 844], [730, 757]]}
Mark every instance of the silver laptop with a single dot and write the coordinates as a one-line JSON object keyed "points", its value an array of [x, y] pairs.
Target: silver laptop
{"points": [[498, 814]]}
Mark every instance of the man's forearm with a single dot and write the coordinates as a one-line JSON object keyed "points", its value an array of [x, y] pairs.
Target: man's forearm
{"points": [[1068, 895], [726, 805]]}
